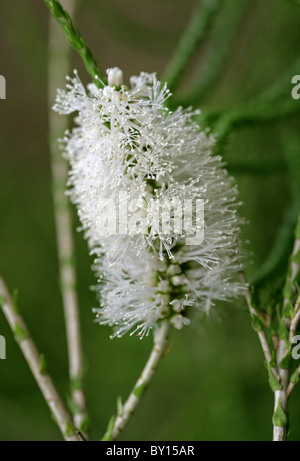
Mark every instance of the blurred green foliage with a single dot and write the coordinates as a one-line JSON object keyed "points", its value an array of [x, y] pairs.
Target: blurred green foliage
{"points": [[212, 385]]}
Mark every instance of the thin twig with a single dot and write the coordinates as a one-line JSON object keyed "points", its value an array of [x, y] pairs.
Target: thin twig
{"points": [[158, 351], [292, 385], [261, 335], [58, 68], [36, 365]]}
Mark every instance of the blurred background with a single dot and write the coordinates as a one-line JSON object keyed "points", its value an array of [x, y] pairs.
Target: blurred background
{"points": [[212, 385]]}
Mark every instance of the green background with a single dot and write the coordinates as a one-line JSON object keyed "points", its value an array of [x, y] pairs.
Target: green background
{"points": [[212, 385]]}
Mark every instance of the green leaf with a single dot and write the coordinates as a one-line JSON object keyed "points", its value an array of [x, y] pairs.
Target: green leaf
{"points": [[272, 362], [76, 384], [119, 406], [288, 311], [279, 417], [76, 40], [73, 407], [285, 362], [257, 323], [287, 292], [139, 390], [57, 9], [2, 300], [282, 331], [295, 376], [20, 332], [108, 434], [85, 424], [274, 384], [70, 429]]}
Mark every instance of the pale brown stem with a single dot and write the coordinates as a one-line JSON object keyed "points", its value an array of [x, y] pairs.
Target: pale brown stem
{"points": [[282, 395], [59, 67], [158, 351]]}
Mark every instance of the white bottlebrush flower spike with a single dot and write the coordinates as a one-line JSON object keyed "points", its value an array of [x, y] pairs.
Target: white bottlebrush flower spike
{"points": [[128, 149]]}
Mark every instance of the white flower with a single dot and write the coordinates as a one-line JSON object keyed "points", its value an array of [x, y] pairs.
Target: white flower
{"points": [[178, 321], [115, 76], [129, 153]]}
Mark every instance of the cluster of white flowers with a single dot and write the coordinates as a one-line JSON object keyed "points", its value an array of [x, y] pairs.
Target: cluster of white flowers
{"points": [[127, 141]]}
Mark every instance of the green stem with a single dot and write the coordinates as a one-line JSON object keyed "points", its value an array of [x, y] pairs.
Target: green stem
{"points": [[219, 46], [253, 113], [76, 40], [258, 167], [273, 103], [277, 256], [280, 87], [195, 32]]}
